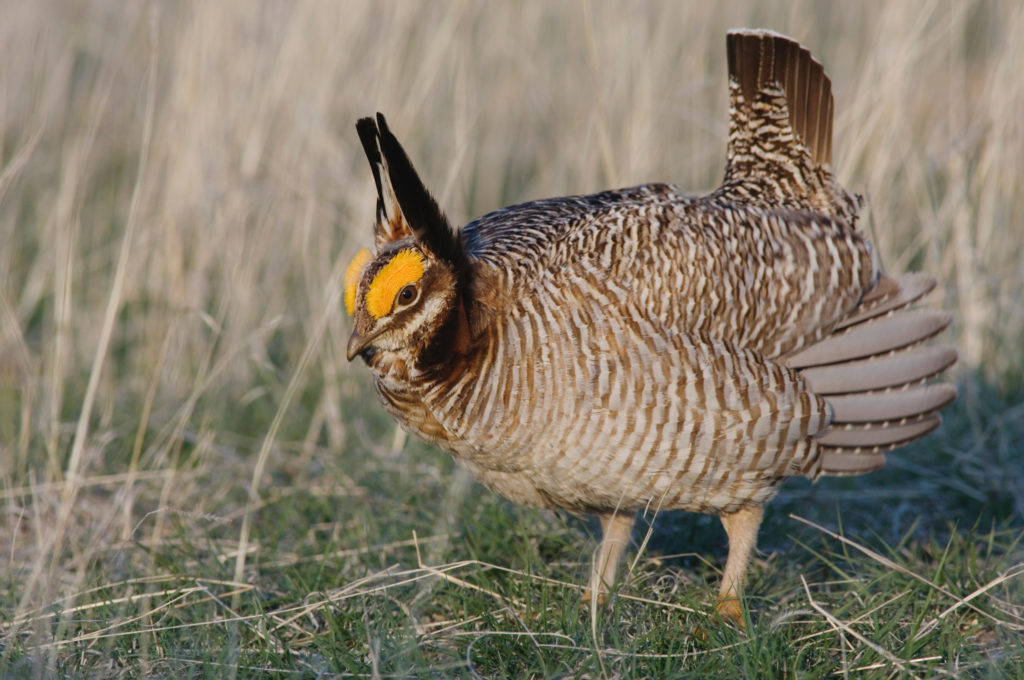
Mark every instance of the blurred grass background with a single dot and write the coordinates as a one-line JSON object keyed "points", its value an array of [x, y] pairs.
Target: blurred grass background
{"points": [[186, 459]]}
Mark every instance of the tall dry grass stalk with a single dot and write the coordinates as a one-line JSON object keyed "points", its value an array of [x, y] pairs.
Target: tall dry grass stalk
{"points": [[179, 180]]}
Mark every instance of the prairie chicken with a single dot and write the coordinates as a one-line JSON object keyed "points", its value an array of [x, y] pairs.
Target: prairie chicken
{"points": [[645, 349]]}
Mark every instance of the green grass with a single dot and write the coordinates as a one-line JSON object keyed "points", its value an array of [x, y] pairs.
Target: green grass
{"points": [[197, 484], [368, 562]]}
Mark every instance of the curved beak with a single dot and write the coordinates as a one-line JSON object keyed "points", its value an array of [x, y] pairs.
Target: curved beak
{"points": [[356, 344]]}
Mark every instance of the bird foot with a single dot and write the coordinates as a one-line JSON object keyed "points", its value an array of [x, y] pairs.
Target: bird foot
{"points": [[729, 609], [588, 597]]}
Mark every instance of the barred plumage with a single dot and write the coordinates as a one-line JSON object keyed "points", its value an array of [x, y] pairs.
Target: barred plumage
{"points": [[642, 348]]}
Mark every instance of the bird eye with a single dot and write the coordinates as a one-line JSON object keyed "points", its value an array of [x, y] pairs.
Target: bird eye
{"points": [[407, 295]]}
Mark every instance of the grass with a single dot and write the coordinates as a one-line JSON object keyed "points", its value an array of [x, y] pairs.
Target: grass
{"points": [[197, 484], [394, 564]]}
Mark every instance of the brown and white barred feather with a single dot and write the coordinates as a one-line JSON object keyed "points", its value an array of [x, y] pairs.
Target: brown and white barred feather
{"points": [[583, 403]]}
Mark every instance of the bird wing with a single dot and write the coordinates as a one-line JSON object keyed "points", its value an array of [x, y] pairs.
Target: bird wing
{"points": [[770, 261], [769, 280]]}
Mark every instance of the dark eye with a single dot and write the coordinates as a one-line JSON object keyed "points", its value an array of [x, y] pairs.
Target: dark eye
{"points": [[407, 295]]}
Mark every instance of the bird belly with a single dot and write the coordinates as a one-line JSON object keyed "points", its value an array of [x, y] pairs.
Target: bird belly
{"points": [[600, 411]]}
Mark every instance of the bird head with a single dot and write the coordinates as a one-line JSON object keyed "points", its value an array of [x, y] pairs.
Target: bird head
{"points": [[406, 297]]}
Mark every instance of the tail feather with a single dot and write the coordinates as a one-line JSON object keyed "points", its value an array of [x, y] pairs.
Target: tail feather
{"points": [[891, 406], [879, 336], [844, 464], [780, 128], [766, 65], [880, 372], [870, 437], [871, 371], [890, 294]]}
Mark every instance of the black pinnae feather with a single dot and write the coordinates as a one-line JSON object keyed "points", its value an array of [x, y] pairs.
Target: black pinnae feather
{"points": [[420, 209], [368, 135]]}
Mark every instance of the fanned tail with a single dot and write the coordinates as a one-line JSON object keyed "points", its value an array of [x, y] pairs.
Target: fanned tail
{"points": [[780, 126], [871, 370], [776, 76]]}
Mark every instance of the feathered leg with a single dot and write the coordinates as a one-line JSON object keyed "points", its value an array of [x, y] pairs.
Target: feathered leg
{"points": [[741, 527], [615, 529]]}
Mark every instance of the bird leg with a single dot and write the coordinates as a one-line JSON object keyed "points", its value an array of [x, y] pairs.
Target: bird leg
{"points": [[615, 529], [741, 527]]}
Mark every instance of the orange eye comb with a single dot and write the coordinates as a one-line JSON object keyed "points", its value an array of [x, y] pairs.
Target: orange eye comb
{"points": [[352, 272], [406, 267]]}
